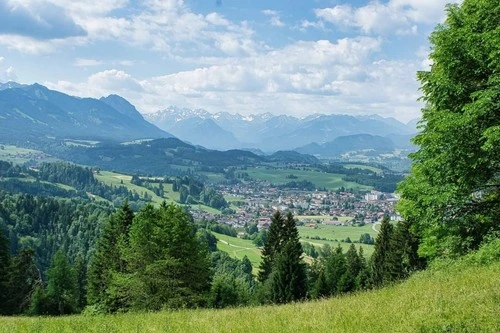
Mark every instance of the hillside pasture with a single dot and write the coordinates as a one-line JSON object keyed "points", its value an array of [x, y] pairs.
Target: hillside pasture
{"points": [[457, 298], [279, 176]]}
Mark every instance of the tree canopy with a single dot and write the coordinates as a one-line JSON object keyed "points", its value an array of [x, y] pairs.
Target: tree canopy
{"points": [[452, 197]]}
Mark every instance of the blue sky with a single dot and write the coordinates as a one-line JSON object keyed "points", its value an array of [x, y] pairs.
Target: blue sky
{"points": [[294, 57]]}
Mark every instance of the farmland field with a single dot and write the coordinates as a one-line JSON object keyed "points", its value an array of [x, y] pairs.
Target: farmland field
{"points": [[333, 235], [238, 248], [278, 176], [21, 155]]}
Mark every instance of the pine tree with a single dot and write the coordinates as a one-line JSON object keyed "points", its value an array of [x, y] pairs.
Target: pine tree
{"points": [[271, 246], [80, 268], [168, 265], [61, 286], [353, 268], [287, 280], [364, 273], [23, 279], [107, 258], [383, 259], [335, 268], [4, 269]]}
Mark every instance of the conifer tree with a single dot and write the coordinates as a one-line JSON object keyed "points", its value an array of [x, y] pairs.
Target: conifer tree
{"points": [[23, 279], [335, 268], [107, 258], [4, 269], [271, 246], [167, 265], [289, 279], [383, 258], [80, 268], [353, 268], [364, 273], [61, 286]]}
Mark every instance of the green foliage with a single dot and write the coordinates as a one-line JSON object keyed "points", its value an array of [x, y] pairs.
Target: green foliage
{"points": [[107, 259], [456, 297], [282, 270], [4, 269], [383, 257], [23, 279], [233, 283], [167, 265], [61, 288], [452, 197]]}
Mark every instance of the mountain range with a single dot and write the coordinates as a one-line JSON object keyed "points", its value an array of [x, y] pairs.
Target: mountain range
{"points": [[269, 132], [36, 113]]}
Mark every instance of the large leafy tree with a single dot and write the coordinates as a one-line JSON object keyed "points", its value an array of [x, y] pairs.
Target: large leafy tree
{"points": [[452, 197]]}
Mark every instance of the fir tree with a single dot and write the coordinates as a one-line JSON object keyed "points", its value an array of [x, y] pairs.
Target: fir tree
{"points": [[364, 273], [383, 257], [282, 256], [271, 246], [4, 269], [107, 258], [61, 286], [23, 279], [335, 268], [353, 268]]}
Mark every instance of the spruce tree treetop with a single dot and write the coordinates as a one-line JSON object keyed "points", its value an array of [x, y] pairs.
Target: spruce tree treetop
{"points": [[452, 197]]}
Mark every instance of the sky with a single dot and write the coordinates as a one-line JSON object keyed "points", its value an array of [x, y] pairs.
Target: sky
{"points": [[295, 57]]}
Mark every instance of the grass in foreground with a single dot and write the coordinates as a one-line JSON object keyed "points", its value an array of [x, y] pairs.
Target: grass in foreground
{"points": [[456, 297]]}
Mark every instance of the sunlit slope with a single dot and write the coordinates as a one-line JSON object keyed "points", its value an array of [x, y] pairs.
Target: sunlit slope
{"points": [[459, 297]]}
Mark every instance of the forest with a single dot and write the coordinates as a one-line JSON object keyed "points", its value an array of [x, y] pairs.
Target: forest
{"points": [[64, 255]]}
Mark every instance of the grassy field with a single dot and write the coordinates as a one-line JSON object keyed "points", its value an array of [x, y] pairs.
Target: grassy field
{"points": [[238, 248], [320, 179], [117, 179], [334, 235], [362, 166], [459, 297], [19, 155]]}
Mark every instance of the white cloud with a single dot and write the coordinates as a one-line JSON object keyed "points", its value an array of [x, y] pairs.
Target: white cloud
{"points": [[167, 26], [346, 76], [7, 73], [274, 18], [395, 16], [82, 62]]}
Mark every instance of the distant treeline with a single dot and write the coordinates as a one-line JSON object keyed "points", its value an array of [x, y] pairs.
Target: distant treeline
{"points": [[19, 179], [386, 181]]}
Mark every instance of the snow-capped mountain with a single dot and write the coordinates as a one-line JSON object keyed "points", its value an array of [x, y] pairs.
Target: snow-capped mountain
{"points": [[269, 132]]}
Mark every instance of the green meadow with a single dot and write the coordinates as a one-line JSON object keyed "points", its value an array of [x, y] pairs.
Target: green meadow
{"points": [[461, 296], [117, 179], [321, 179], [334, 235]]}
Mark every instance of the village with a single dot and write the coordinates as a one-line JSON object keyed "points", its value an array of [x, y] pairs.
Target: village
{"points": [[255, 202]]}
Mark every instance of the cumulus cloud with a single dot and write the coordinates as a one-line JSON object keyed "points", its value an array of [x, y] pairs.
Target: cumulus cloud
{"points": [[345, 76], [274, 18], [82, 62], [38, 20], [399, 16], [7, 73]]}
